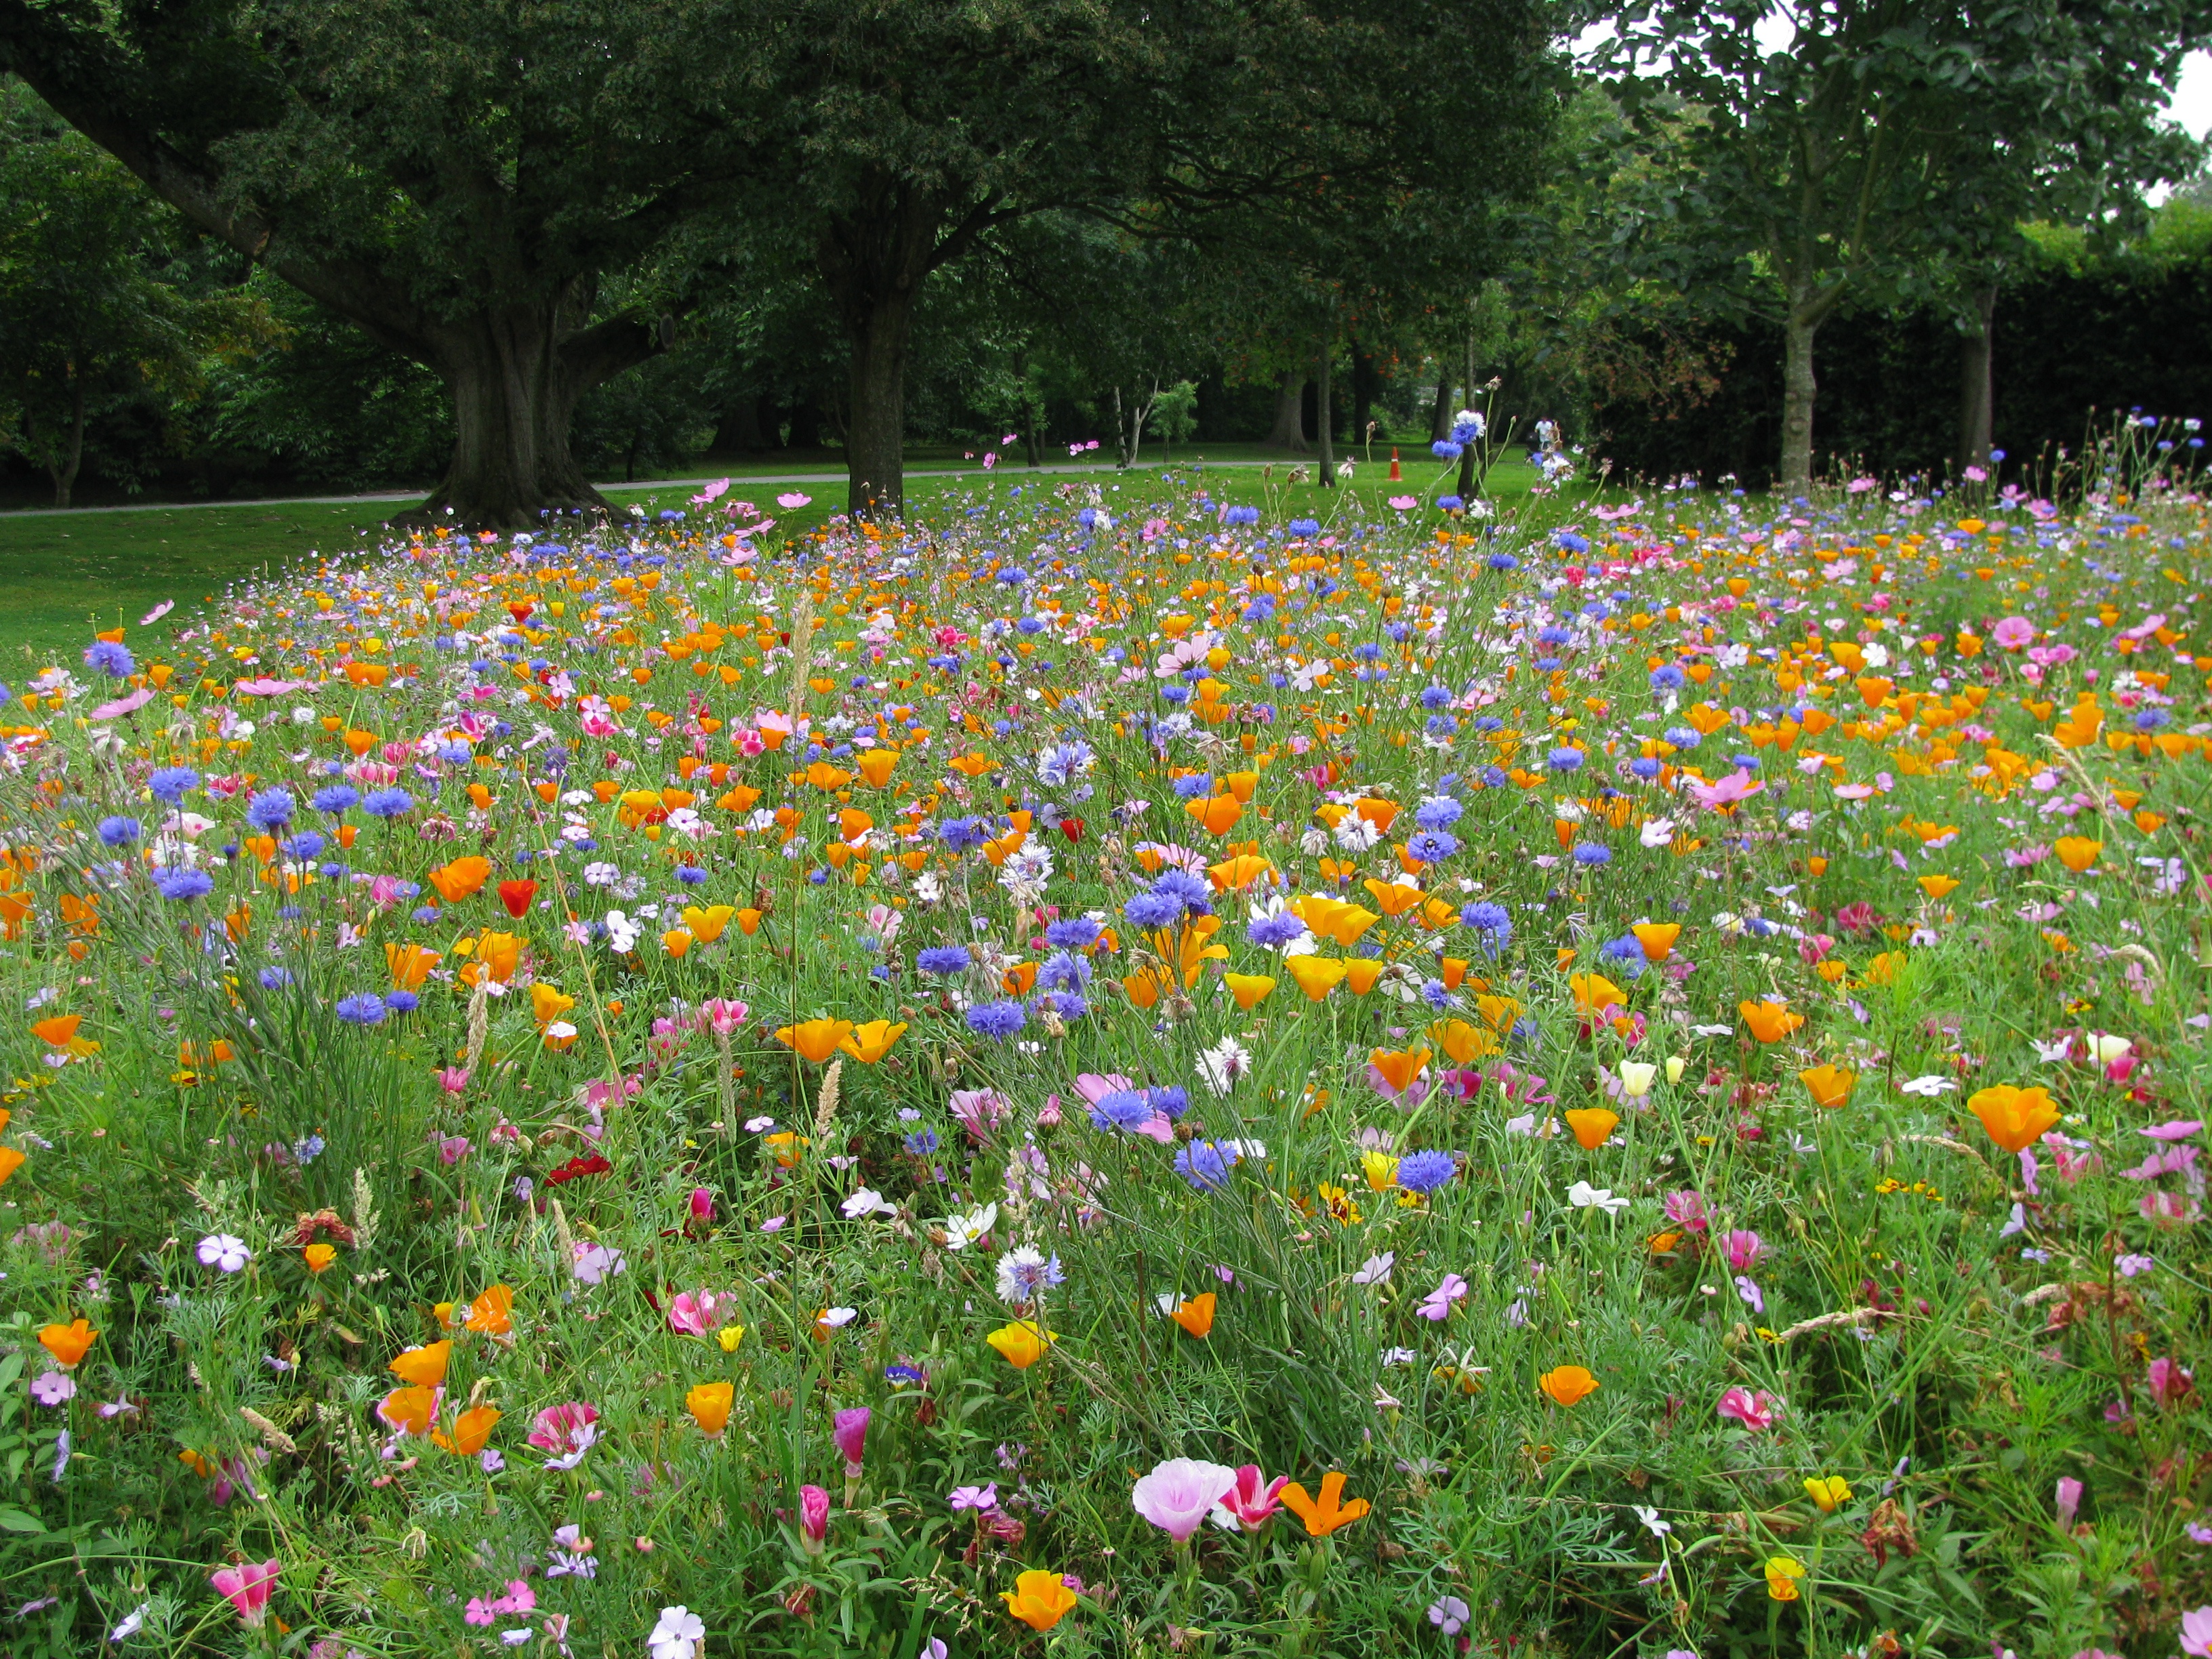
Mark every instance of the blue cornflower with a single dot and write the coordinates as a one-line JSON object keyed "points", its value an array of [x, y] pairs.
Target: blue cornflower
{"points": [[1437, 812], [1271, 933], [1126, 1109], [118, 832], [402, 1002], [1644, 766], [1566, 759], [1682, 737], [275, 978], [1304, 527], [1240, 515], [1073, 934], [336, 799], [363, 1008], [1590, 853], [1450, 503], [1171, 1102], [997, 1019], [1423, 1172], [690, 875], [110, 658], [1431, 846], [183, 883], [1667, 678], [388, 803], [1152, 910], [960, 835], [1187, 890], [169, 783], [1064, 971], [1502, 561], [271, 809], [1194, 787], [921, 1143], [1206, 1164], [944, 959], [303, 846]]}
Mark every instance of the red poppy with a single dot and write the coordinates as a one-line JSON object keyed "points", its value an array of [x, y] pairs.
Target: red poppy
{"points": [[590, 1164], [516, 897]]}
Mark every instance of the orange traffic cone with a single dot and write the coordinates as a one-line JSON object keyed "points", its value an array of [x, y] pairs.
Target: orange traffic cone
{"points": [[1394, 474]]}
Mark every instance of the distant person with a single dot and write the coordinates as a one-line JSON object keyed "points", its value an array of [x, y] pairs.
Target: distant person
{"points": [[1547, 435]]}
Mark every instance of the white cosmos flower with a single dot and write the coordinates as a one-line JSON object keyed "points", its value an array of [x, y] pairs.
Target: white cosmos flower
{"points": [[1657, 833], [1928, 1087], [866, 1202]]}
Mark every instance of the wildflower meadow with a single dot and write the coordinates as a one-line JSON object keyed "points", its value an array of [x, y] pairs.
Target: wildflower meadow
{"points": [[1113, 1070]]}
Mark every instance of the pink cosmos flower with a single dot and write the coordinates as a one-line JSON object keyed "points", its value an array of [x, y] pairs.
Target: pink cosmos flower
{"points": [[980, 1110], [2197, 1632], [1754, 1411], [1250, 1502], [1738, 786], [1178, 1495], [247, 1587], [2014, 634]]}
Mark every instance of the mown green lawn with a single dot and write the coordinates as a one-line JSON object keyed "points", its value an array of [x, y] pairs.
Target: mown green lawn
{"points": [[66, 575]]}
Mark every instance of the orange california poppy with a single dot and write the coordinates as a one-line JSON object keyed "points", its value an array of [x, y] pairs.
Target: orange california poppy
{"points": [[1769, 1022], [1591, 1125], [423, 1367], [1568, 1385], [67, 1343], [2015, 1118], [1195, 1315], [1324, 1515]]}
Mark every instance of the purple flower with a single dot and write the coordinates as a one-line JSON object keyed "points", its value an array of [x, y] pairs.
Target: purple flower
{"points": [[53, 1388], [1448, 1615], [361, 1008], [1437, 1305], [1206, 1164], [981, 1499]]}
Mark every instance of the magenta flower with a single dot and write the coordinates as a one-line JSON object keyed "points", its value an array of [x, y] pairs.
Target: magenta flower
{"points": [[692, 1313], [247, 1587], [2197, 1632], [453, 1079], [813, 1518], [722, 1016], [1251, 1502], [1745, 1250], [1178, 1495], [1754, 1411], [851, 1434], [701, 1204], [981, 1499], [568, 1431], [979, 1110], [1686, 1210], [2168, 1382], [2069, 1502], [453, 1149], [2014, 634]]}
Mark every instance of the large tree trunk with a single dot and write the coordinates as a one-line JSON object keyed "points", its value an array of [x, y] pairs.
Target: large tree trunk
{"points": [[1364, 383], [1978, 382], [875, 436], [1325, 410], [1289, 431], [1799, 388], [873, 262], [1440, 416], [515, 373]]}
